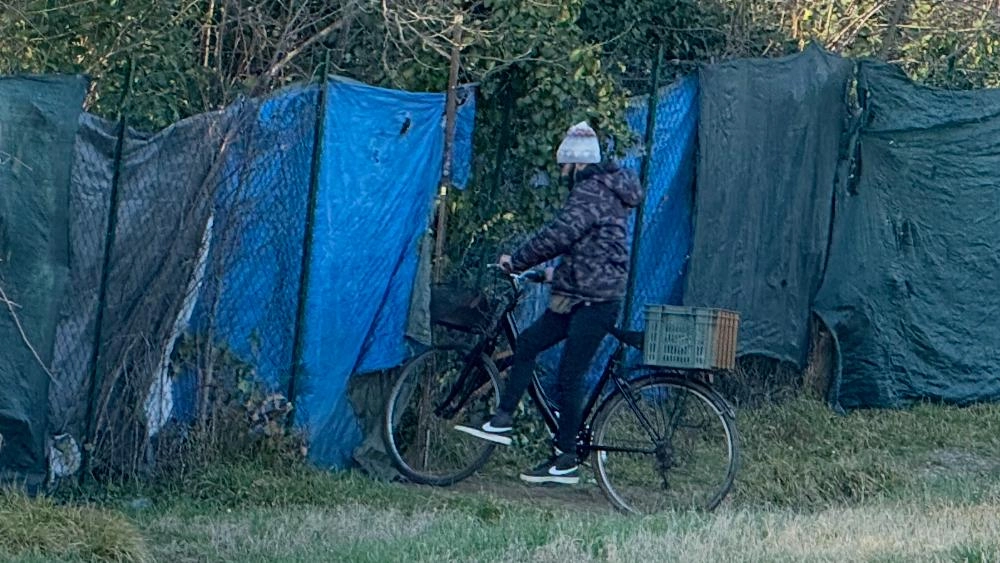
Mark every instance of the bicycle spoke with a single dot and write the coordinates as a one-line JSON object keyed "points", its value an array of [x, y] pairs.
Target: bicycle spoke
{"points": [[420, 436], [690, 465], [676, 414], [641, 416]]}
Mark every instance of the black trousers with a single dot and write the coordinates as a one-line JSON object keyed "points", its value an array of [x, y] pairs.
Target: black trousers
{"points": [[583, 329]]}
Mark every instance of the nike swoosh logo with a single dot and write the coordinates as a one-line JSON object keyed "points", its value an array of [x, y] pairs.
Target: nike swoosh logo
{"points": [[560, 472], [490, 428]]}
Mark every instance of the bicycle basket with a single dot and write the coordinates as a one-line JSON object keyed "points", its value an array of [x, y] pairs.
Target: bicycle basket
{"points": [[690, 337], [460, 309]]}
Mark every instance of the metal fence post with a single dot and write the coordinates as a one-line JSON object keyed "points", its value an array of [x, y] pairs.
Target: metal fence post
{"points": [[111, 230], [644, 171], [307, 244], [500, 157]]}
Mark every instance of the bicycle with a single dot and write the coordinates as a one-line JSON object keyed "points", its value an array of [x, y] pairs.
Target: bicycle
{"points": [[650, 451]]}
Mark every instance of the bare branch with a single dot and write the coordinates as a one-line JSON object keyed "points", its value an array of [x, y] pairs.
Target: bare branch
{"points": [[856, 25], [20, 329], [317, 37]]}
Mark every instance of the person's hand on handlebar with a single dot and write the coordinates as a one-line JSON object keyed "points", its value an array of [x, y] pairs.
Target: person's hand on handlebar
{"points": [[506, 263], [538, 276]]}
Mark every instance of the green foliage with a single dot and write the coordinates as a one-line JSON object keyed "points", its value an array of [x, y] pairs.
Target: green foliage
{"points": [[631, 32], [540, 66], [945, 44], [100, 40], [951, 48]]}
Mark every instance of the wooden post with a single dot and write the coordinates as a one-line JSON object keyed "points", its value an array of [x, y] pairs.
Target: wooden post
{"points": [[451, 106]]}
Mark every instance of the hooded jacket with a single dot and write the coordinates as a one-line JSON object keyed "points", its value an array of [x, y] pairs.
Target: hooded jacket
{"points": [[590, 233]]}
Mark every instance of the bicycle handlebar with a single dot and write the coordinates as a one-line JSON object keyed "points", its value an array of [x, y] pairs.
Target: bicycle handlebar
{"points": [[537, 276]]}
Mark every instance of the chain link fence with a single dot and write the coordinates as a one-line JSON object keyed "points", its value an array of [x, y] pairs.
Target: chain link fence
{"points": [[181, 341], [186, 260]]}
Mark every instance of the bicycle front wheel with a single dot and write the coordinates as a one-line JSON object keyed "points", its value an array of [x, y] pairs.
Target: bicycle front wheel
{"points": [[435, 391], [669, 444]]}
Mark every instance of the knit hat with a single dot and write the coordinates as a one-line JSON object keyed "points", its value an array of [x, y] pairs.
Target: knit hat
{"points": [[580, 146]]}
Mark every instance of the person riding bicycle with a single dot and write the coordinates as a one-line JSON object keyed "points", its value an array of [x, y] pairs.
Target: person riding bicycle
{"points": [[590, 234]]}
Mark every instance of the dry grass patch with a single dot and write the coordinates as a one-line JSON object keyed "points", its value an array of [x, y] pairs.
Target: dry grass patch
{"points": [[889, 532], [297, 533], [40, 528]]}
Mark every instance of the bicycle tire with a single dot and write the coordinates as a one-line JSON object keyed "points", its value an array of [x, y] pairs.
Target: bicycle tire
{"points": [[461, 455], [671, 458]]}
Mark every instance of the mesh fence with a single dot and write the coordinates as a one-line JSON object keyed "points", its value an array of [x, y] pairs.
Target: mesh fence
{"points": [[89, 207], [252, 289], [158, 191], [665, 242], [200, 270], [188, 259]]}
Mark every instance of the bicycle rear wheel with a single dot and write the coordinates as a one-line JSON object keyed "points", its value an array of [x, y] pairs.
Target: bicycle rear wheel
{"points": [[435, 391], [670, 444]]}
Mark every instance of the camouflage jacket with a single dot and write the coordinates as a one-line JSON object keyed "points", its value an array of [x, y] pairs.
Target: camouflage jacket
{"points": [[591, 235]]}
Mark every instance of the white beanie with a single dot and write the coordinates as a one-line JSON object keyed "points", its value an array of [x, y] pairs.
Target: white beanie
{"points": [[580, 146]]}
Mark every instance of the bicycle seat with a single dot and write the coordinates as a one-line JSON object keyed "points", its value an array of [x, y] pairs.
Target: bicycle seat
{"points": [[633, 338]]}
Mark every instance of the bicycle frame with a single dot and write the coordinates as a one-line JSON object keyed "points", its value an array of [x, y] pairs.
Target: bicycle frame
{"points": [[506, 327], [612, 373]]}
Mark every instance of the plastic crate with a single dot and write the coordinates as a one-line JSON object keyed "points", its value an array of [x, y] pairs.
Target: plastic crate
{"points": [[690, 337]]}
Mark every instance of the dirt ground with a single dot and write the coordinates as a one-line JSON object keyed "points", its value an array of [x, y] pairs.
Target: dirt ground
{"points": [[586, 496]]}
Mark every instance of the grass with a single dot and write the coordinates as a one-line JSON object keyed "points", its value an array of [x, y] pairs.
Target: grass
{"points": [[915, 485], [43, 530], [803, 455]]}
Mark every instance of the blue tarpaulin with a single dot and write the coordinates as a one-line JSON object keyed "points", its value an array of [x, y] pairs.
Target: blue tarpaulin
{"points": [[258, 235], [381, 163], [666, 232]]}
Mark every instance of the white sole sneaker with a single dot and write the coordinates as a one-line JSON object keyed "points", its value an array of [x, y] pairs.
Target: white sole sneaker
{"points": [[484, 435], [567, 480]]}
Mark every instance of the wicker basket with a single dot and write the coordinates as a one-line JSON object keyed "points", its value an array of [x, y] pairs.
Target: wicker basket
{"points": [[690, 337]]}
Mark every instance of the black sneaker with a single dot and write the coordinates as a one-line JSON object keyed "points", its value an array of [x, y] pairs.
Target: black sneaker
{"points": [[560, 468], [497, 429]]}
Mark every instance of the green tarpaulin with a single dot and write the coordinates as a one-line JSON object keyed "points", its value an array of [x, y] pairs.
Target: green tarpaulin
{"points": [[770, 138], [38, 121], [910, 290]]}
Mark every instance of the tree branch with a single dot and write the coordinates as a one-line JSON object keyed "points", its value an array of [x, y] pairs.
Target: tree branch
{"points": [[24, 337], [890, 34], [289, 56]]}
